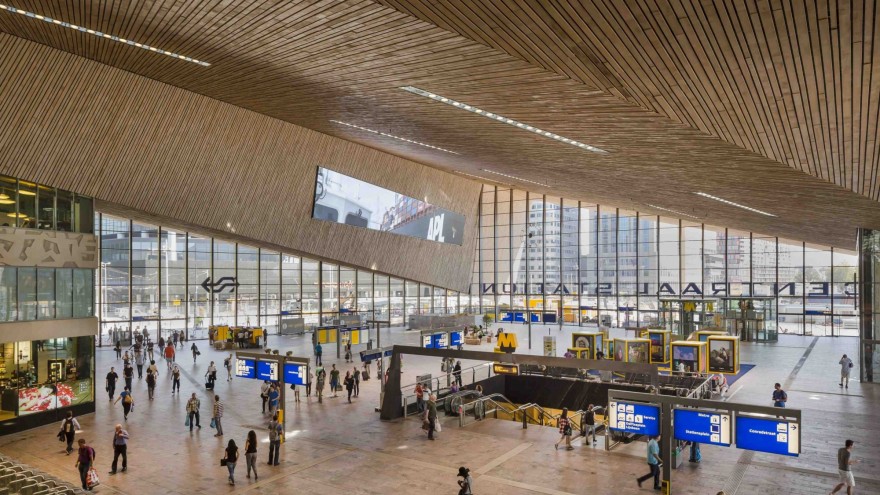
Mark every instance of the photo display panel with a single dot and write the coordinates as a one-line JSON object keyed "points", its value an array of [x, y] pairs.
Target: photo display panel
{"points": [[343, 199]]}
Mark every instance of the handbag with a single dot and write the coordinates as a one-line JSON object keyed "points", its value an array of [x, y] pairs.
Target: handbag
{"points": [[437, 425], [198, 353], [92, 478], [223, 462]]}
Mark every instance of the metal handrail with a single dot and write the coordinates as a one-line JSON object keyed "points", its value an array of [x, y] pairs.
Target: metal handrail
{"points": [[472, 369]]}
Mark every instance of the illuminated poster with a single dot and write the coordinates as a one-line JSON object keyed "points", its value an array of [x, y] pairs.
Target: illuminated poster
{"points": [[343, 199]]}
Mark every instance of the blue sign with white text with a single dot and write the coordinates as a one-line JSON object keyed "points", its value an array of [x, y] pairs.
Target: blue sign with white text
{"points": [[693, 425], [628, 417], [776, 436], [244, 368], [295, 374], [455, 339], [267, 370]]}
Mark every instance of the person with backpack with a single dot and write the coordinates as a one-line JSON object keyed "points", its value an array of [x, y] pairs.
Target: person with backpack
{"points": [[151, 385], [779, 396], [84, 462], [564, 430], [68, 430], [110, 383], [192, 409], [590, 423], [466, 483], [127, 402], [276, 431], [846, 366], [153, 369]]}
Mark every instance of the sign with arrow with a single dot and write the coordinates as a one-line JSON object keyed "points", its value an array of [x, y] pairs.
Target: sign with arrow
{"points": [[220, 285], [709, 427]]}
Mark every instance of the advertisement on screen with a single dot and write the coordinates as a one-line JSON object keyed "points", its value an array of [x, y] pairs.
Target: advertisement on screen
{"points": [[721, 356], [642, 419], [770, 435], [343, 199]]}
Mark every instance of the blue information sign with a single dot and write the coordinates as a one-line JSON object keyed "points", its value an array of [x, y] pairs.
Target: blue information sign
{"points": [[295, 374], [267, 370], [775, 436], [628, 417], [244, 368], [455, 339], [702, 426]]}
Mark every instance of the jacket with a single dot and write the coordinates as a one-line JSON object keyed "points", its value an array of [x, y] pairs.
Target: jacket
{"points": [[432, 410]]}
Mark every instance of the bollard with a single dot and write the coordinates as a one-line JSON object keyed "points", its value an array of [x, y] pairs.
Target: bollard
{"points": [[525, 423]]}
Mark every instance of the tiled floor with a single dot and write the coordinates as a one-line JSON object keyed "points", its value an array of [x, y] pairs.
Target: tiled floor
{"points": [[339, 448]]}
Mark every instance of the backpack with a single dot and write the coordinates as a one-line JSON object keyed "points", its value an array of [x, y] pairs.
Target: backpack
{"points": [[68, 425], [226, 362], [127, 399]]}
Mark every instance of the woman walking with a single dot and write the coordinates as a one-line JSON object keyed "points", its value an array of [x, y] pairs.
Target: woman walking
{"points": [[250, 453], [231, 457], [565, 430], [349, 384], [127, 402]]}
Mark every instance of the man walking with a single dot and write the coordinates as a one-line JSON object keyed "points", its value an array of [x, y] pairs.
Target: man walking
{"points": [[169, 354], [334, 379], [68, 428], [192, 409], [139, 362], [195, 351], [120, 447], [432, 415], [318, 352], [843, 468], [84, 462], [218, 415], [175, 379], [357, 381], [846, 365], [128, 375], [151, 384], [456, 372], [779, 396], [275, 434], [320, 376], [264, 393], [227, 363], [110, 384], [653, 463], [590, 423], [274, 395]]}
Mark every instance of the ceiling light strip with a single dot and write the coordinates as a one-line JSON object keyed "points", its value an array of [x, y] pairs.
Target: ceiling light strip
{"points": [[731, 203], [392, 136], [502, 119], [514, 177], [672, 211], [482, 178], [99, 34]]}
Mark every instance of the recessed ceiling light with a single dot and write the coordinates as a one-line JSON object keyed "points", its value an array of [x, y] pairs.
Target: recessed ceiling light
{"points": [[500, 118], [392, 136], [100, 34], [731, 203], [502, 174], [671, 211]]}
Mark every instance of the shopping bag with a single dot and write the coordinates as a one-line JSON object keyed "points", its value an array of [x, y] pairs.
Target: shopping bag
{"points": [[186, 421], [437, 425], [92, 478], [213, 422]]}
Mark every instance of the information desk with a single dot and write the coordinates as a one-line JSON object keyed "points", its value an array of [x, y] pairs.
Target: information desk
{"points": [[768, 435], [708, 427], [629, 417]]}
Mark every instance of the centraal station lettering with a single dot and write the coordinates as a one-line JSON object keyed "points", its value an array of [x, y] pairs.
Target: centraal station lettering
{"points": [[813, 289]]}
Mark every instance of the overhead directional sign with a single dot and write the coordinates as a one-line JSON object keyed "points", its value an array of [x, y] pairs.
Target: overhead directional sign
{"points": [[694, 425], [456, 339], [267, 370], [295, 374], [373, 354], [628, 417], [244, 368], [505, 369], [776, 436]]}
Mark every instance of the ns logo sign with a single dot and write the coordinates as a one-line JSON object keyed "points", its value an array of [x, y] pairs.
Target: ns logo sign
{"points": [[506, 343]]}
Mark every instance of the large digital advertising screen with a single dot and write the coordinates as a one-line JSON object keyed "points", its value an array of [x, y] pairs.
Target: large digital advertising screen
{"points": [[343, 199]]}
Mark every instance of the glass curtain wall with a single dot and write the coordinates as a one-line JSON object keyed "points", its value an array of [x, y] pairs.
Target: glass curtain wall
{"points": [[546, 259], [160, 280]]}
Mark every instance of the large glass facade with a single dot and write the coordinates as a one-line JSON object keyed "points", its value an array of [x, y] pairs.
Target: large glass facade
{"points": [[163, 280], [33, 206], [546, 259]]}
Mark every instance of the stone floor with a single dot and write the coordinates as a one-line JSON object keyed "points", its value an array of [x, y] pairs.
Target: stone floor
{"points": [[339, 448]]}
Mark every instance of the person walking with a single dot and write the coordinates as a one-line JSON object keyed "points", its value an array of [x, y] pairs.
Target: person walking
{"points": [[564, 429], [169, 354], [653, 463], [68, 429], [466, 483], [227, 363], [139, 362], [127, 402], [846, 365], [276, 431], [320, 376], [349, 384], [120, 448], [779, 396], [274, 395], [151, 384], [319, 351], [356, 373], [420, 398], [128, 375], [432, 416], [844, 469], [211, 376], [590, 423], [456, 372], [126, 359], [118, 349], [217, 416], [334, 380], [192, 409], [152, 368], [110, 382], [195, 350], [150, 349], [264, 393], [250, 454], [84, 461], [175, 379], [231, 457]]}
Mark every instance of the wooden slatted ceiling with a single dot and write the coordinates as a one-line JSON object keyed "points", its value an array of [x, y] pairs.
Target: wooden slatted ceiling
{"points": [[310, 62], [798, 82]]}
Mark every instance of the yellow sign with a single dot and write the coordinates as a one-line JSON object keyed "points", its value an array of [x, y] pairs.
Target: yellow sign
{"points": [[505, 369], [506, 343]]}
